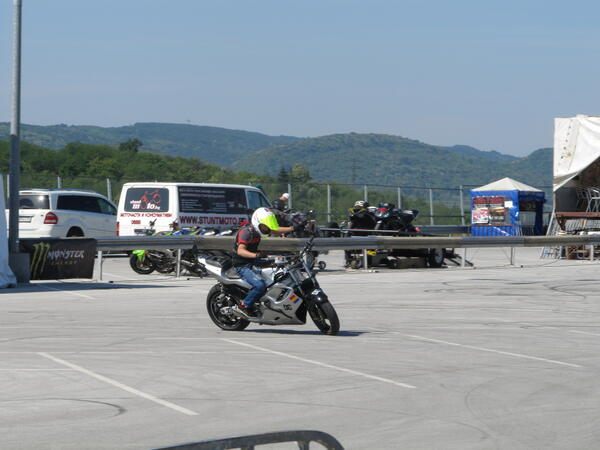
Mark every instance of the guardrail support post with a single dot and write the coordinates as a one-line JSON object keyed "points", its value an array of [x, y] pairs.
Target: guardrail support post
{"points": [[463, 261], [328, 204], [366, 193], [178, 263], [431, 221], [58, 182], [399, 198], [462, 205], [100, 257], [365, 260], [592, 248], [290, 199], [512, 256]]}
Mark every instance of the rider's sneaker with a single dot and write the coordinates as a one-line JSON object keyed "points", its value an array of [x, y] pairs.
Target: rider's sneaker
{"points": [[245, 310]]}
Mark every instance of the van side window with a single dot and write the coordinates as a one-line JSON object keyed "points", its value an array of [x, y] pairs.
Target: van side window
{"points": [[257, 200], [215, 200], [254, 200], [264, 202], [147, 199]]}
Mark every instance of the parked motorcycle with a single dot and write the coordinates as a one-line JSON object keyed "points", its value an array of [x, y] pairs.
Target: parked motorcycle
{"points": [[145, 262], [388, 217], [399, 222], [292, 292]]}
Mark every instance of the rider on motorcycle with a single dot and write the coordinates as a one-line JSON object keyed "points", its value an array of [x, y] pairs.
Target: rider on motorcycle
{"points": [[247, 256]]}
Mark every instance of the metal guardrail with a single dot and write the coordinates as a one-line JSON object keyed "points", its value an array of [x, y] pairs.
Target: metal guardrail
{"points": [[352, 243], [433, 229], [302, 437]]}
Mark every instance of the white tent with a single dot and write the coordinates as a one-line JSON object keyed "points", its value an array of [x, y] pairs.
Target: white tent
{"points": [[506, 184], [7, 278], [576, 147]]}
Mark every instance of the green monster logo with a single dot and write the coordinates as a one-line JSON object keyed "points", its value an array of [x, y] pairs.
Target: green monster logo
{"points": [[38, 261]]}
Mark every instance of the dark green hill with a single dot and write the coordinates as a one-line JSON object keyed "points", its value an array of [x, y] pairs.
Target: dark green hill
{"points": [[215, 145], [393, 160], [492, 155]]}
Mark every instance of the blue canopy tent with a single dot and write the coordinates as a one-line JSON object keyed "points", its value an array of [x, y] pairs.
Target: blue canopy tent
{"points": [[507, 208]]}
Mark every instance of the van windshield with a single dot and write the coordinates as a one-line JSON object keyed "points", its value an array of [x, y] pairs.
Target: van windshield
{"points": [[147, 199], [215, 200]]}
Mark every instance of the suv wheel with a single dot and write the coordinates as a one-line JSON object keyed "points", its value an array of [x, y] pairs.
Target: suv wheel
{"points": [[75, 232]]}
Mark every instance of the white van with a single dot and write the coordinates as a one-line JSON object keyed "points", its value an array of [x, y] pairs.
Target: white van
{"points": [[218, 206]]}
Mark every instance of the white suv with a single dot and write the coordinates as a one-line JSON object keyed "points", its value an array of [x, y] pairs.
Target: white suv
{"points": [[65, 213]]}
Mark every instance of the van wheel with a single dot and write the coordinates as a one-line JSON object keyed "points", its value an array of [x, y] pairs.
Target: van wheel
{"points": [[75, 232]]}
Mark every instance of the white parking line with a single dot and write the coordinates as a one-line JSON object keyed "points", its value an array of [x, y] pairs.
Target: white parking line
{"points": [[584, 332], [318, 363], [120, 385], [490, 350], [36, 370], [77, 294], [179, 338]]}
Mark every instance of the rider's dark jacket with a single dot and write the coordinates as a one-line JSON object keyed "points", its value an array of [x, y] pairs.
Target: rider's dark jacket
{"points": [[362, 218], [249, 236]]}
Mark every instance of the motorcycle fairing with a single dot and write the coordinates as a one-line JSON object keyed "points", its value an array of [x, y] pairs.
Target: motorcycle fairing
{"points": [[221, 275]]}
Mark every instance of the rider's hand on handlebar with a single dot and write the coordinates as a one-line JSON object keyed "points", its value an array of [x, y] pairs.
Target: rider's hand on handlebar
{"points": [[299, 226]]}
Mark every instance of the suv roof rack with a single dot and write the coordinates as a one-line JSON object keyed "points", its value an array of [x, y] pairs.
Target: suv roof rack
{"points": [[58, 189]]}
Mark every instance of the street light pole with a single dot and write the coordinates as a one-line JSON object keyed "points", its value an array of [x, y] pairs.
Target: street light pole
{"points": [[15, 125]]}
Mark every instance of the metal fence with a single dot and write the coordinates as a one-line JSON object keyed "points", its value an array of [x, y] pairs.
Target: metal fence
{"points": [[329, 201]]}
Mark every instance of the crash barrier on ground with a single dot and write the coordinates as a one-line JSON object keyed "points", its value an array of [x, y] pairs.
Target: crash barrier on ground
{"points": [[302, 437]]}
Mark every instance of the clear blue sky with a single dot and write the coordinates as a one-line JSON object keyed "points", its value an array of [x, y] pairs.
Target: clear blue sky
{"points": [[491, 74]]}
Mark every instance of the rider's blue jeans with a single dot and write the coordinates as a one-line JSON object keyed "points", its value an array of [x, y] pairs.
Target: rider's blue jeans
{"points": [[249, 274]]}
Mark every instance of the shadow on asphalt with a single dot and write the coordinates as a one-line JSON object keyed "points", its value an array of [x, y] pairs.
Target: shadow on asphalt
{"points": [[91, 286], [343, 333]]}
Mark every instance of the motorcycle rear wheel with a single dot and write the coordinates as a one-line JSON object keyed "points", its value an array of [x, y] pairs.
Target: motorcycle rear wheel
{"points": [[214, 302], [325, 318], [143, 267]]}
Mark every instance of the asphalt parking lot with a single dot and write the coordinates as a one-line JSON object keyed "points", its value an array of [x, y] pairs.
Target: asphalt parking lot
{"points": [[495, 357]]}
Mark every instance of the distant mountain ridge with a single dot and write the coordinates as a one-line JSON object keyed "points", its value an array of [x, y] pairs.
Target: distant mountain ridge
{"points": [[394, 160], [359, 157]]}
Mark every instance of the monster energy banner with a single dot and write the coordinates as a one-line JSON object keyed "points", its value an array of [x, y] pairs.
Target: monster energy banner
{"points": [[56, 259]]}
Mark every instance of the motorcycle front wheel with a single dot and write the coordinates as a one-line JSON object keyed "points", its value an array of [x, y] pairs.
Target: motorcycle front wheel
{"points": [[143, 267], [325, 317], [215, 301]]}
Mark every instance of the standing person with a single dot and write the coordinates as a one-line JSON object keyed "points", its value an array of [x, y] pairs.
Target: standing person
{"points": [[247, 256], [281, 203]]}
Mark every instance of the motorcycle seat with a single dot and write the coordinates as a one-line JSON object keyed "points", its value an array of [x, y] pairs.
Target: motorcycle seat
{"points": [[223, 262], [231, 273]]}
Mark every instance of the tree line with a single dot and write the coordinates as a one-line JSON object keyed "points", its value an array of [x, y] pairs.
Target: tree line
{"points": [[88, 166]]}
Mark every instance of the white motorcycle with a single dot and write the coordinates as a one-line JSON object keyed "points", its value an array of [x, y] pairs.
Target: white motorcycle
{"points": [[292, 293]]}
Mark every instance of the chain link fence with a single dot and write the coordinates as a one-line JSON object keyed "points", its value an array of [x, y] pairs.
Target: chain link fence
{"points": [[329, 201]]}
